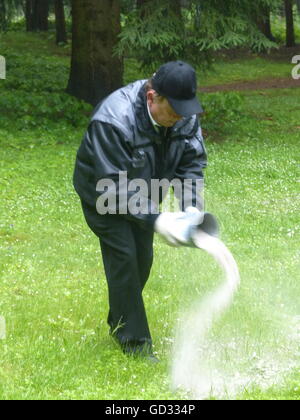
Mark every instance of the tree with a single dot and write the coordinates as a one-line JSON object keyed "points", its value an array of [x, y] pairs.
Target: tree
{"points": [[95, 72], [3, 20], [290, 30], [191, 30], [8, 10], [60, 22], [263, 20], [36, 13]]}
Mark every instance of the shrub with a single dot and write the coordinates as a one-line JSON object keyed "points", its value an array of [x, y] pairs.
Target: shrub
{"points": [[33, 95], [35, 74], [221, 110], [29, 110]]}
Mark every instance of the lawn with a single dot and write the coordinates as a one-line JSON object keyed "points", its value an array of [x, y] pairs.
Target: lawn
{"points": [[53, 292]]}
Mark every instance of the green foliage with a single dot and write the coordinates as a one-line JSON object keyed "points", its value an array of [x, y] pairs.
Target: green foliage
{"points": [[29, 110], [34, 74], [160, 32], [17, 25], [221, 110], [279, 29], [158, 38], [33, 95], [9, 9]]}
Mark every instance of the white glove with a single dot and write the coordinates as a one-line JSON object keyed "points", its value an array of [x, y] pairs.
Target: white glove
{"points": [[177, 228]]}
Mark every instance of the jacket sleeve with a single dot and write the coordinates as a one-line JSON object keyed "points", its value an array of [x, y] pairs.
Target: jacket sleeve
{"points": [[190, 173], [110, 155]]}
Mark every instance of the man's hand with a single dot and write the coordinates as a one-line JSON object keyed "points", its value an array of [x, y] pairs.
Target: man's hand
{"points": [[177, 228]]}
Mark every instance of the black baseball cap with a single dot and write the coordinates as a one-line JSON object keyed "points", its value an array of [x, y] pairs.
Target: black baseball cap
{"points": [[177, 82]]}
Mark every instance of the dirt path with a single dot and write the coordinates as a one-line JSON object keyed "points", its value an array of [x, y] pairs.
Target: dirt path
{"points": [[277, 83]]}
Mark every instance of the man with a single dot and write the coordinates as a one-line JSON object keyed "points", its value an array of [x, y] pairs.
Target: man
{"points": [[148, 131]]}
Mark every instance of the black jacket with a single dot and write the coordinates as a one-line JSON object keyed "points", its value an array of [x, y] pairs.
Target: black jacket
{"points": [[121, 137]]}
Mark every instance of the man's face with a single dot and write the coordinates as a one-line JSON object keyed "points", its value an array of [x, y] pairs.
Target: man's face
{"points": [[161, 110]]}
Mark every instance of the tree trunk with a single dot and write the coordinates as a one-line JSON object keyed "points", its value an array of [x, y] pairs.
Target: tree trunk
{"points": [[3, 22], [266, 25], [290, 31], [175, 6], [42, 15], [141, 3], [29, 15], [144, 7], [36, 13], [60, 22], [95, 73], [263, 21]]}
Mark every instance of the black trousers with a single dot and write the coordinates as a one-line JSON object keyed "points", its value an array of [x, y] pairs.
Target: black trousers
{"points": [[127, 252]]}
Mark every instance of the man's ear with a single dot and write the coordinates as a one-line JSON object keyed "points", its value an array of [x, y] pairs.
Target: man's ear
{"points": [[150, 96]]}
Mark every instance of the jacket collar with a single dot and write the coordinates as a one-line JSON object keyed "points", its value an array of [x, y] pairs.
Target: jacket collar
{"points": [[143, 121], [184, 128]]}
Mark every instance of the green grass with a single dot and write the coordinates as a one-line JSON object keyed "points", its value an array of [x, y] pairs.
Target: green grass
{"points": [[229, 68], [41, 44], [53, 289], [252, 67], [234, 69]]}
